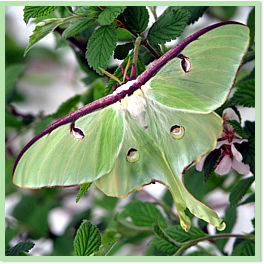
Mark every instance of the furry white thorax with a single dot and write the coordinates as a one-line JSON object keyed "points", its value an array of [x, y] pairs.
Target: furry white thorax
{"points": [[135, 104]]}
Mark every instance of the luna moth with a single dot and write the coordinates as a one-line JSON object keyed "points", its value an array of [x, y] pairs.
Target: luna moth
{"points": [[148, 129]]}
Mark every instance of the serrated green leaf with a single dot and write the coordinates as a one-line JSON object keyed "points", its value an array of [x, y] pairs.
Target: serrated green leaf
{"points": [[245, 94], [140, 67], [121, 51], [169, 26], [137, 18], [237, 128], [76, 26], [210, 163], [41, 30], [37, 11], [177, 234], [251, 25], [87, 240], [100, 47], [230, 220], [196, 12], [245, 248], [144, 214], [24, 246], [240, 190], [83, 189], [109, 13]]}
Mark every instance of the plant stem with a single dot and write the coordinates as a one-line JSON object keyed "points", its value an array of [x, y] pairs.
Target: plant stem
{"points": [[133, 71], [190, 243], [150, 49], [153, 11]]}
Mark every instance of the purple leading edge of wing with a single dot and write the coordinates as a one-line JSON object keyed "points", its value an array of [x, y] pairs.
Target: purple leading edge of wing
{"points": [[113, 98]]}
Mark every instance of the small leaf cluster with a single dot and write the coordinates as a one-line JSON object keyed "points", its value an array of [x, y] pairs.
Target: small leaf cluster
{"points": [[104, 30]]}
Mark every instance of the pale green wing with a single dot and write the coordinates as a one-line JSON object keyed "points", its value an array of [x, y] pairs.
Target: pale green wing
{"points": [[184, 138], [127, 176], [214, 60], [65, 158]]}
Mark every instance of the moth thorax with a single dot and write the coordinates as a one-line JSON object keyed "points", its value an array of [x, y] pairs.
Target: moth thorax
{"points": [[136, 106]]}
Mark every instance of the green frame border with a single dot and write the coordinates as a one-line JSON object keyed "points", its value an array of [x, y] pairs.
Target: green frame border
{"points": [[257, 256]]}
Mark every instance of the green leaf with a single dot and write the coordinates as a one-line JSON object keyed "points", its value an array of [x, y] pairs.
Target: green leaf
{"points": [[41, 30], [240, 190], [76, 26], [245, 248], [253, 222], [87, 240], [251, 25], [198, 253], [210, 163], [137, 18], [237, 128], [83, 189], [123, 35], [230, 220], [11, 120], [41, 125], [193, 181], [31, 213], [89, 11], [109, 13], [107, 202], [109, 240], [245, 94], [12, 73], [10, 233], [121, 51], [177, 234], [222, 12], [247, 149], [24, 246], [140, 67], [100, 47], [144, 214], [169, 26], [249, 199], [37, 11], [196, 12], [67, 107]]}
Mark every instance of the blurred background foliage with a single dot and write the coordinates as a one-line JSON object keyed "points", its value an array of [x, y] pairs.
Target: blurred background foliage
{"points": [[54, 80]]}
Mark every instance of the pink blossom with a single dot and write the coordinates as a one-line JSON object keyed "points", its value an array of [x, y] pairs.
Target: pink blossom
{"points": [[230, 157]]}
